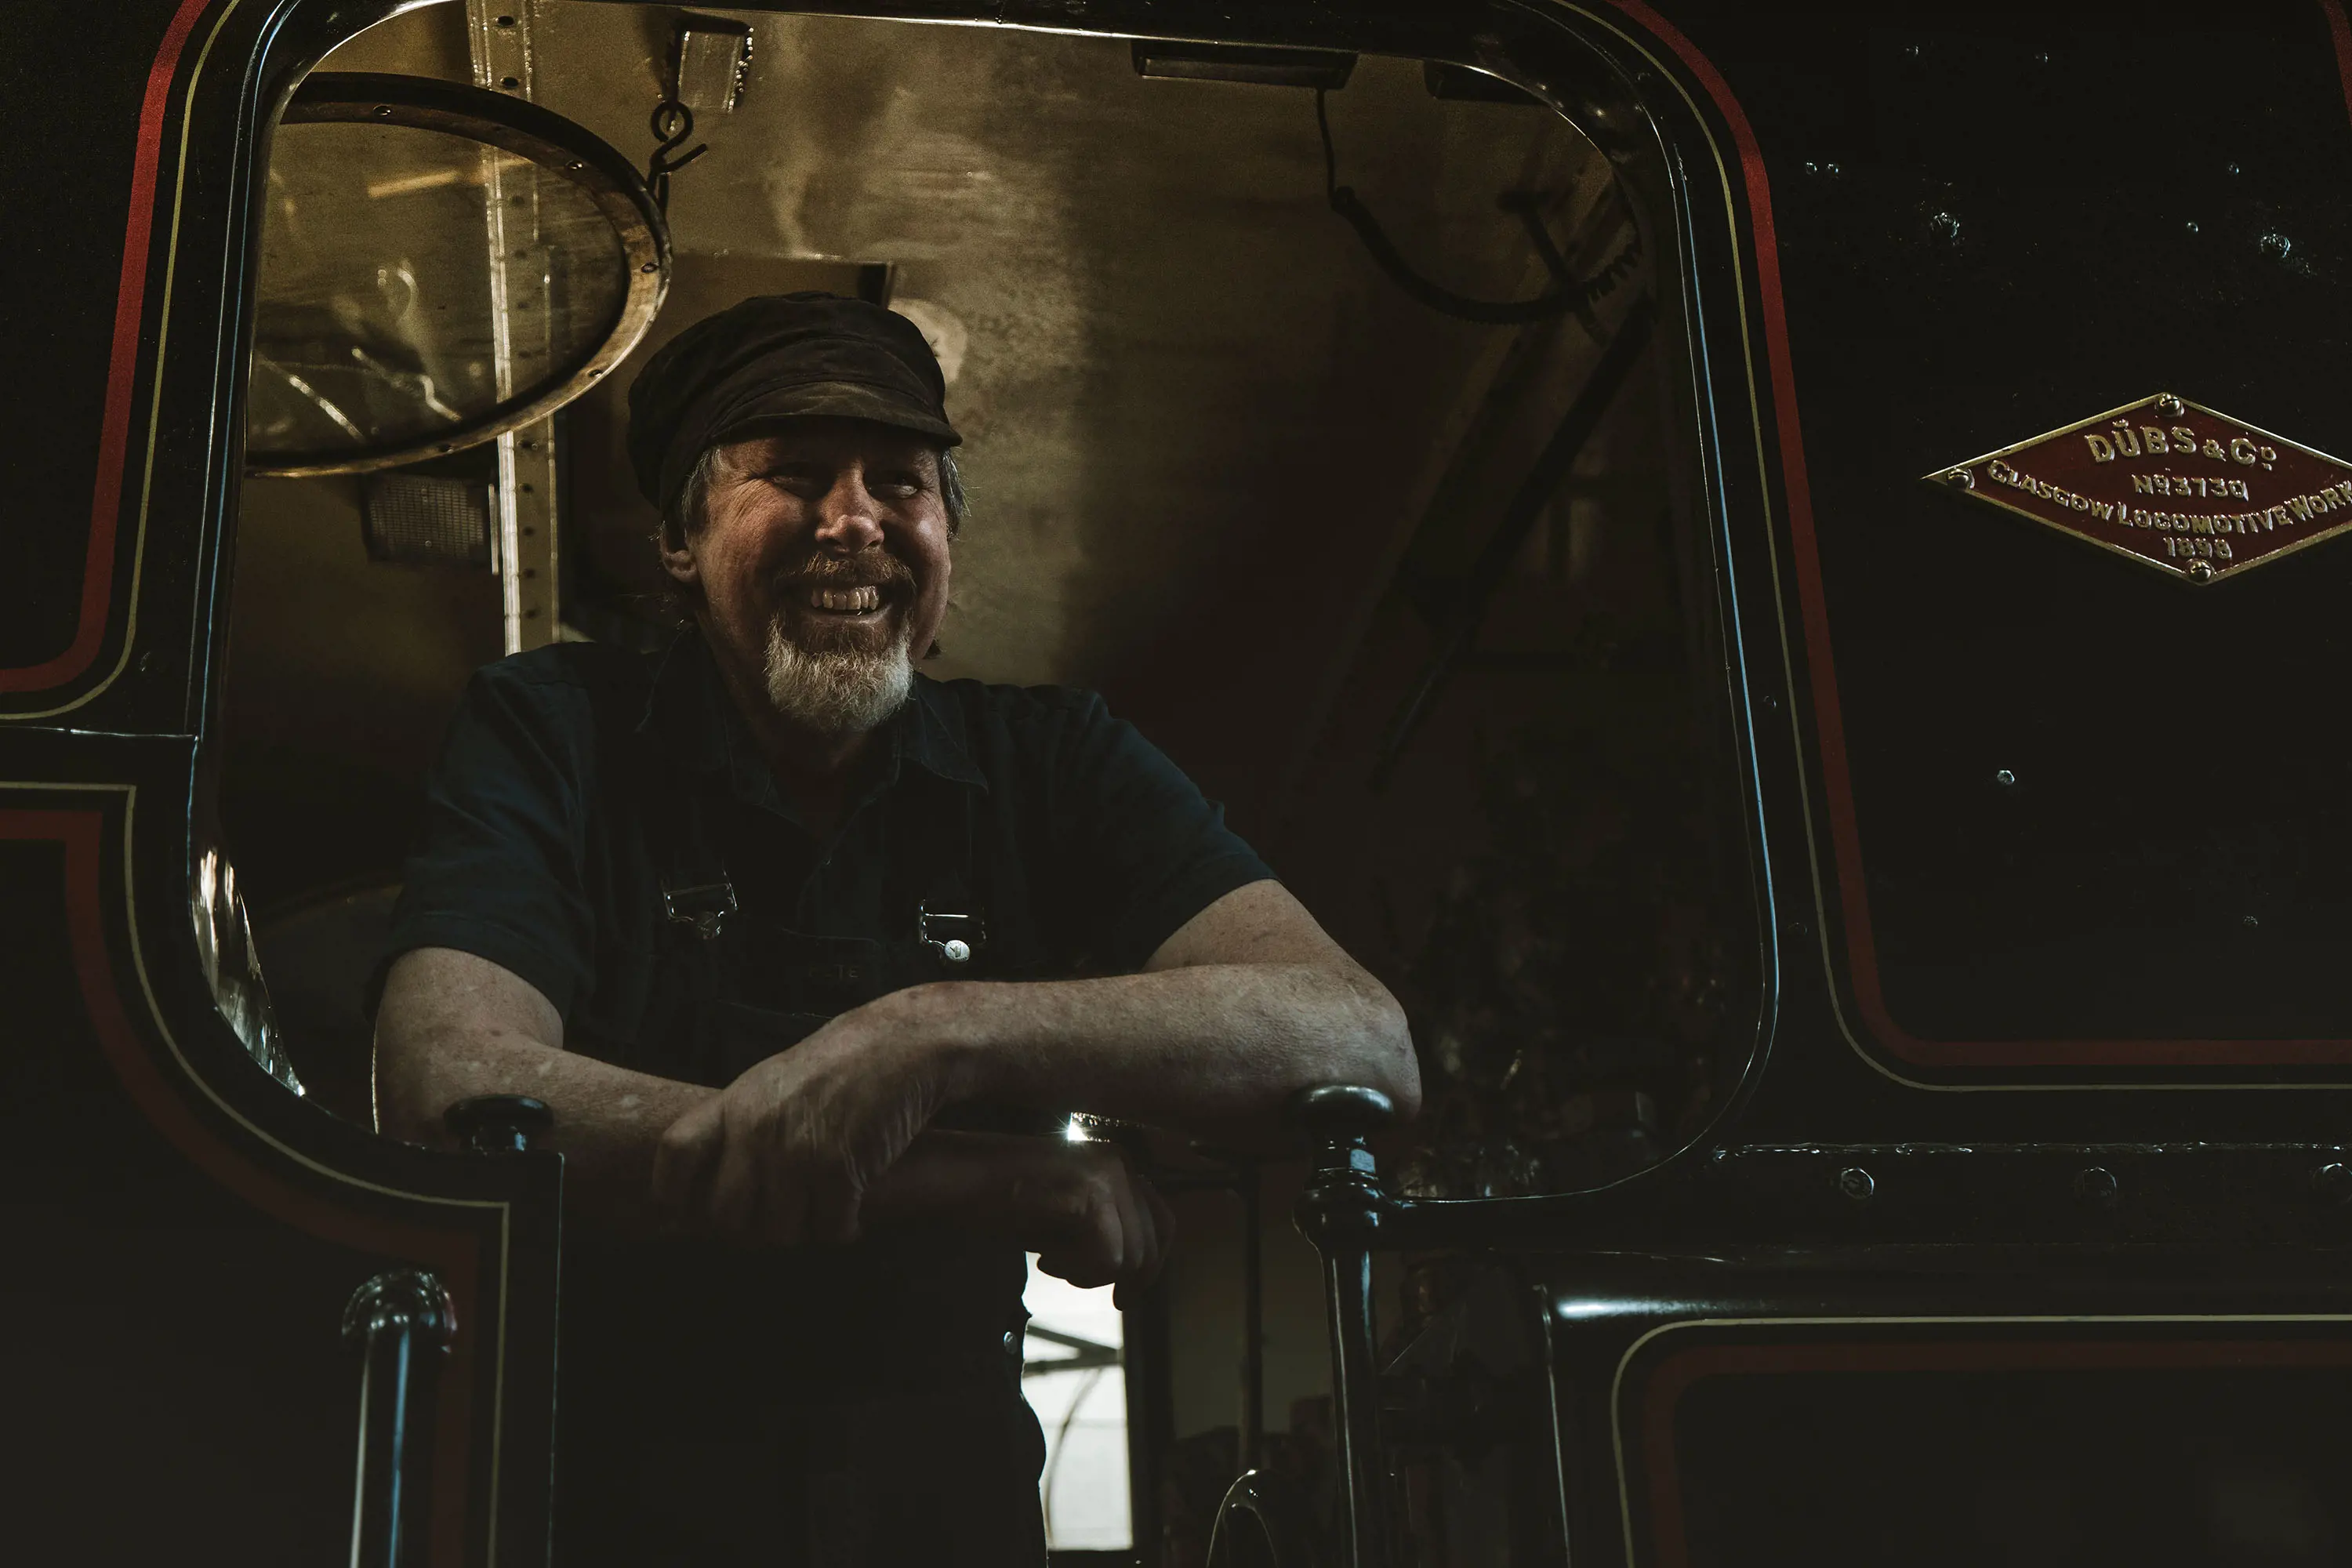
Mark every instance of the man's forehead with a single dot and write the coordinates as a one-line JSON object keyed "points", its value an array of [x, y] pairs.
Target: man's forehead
{"points": [[830, 440]]}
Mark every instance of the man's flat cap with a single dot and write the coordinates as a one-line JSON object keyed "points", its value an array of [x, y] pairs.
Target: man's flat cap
{"points": [[778, 356]]}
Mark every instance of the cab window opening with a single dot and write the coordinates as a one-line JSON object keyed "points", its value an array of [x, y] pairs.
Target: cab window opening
{"points": [[1379, 527]]}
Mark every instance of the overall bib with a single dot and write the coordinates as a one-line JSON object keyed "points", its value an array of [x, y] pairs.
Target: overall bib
{"points": [[822, 1405]]}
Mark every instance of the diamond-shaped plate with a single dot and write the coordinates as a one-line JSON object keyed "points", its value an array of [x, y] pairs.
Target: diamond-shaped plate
{"points": [[2189, 491]]}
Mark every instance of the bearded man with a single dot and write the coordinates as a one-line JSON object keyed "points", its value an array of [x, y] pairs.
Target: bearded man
{"points": [[803, 947]]}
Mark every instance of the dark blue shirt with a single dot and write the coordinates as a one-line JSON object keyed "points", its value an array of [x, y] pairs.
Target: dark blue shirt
{"points": [[563, 783], [571, 777]]}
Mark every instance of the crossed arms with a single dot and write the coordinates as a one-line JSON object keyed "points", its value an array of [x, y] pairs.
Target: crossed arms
{"points": [[1247, 1003]]}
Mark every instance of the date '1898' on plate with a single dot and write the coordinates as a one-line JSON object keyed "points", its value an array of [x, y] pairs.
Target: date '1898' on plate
{"points": [[2171, 483]]}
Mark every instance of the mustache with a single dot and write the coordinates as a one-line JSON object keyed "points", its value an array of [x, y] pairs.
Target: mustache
{"points": [[874, 569]]}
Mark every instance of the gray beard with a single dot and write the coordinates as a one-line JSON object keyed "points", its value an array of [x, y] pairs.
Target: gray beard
{"points": [[840, 691]]}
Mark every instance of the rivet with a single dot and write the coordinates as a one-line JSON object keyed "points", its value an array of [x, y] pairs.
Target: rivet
{"points": [[2003, 777], [2095, 1187], [383, 111], [2334, 1183], [1960, 478], [1856, 1183], [650, 267]]}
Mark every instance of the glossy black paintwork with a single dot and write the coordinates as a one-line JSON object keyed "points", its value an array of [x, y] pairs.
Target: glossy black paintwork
{"points": [[2195, 788]]}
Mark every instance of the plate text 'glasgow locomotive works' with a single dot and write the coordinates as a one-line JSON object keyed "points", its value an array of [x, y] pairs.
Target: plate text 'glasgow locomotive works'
{"points": [[2171, 482]]}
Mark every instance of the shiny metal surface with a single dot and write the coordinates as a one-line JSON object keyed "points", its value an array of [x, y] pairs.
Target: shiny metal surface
{"points": [[385, 333]]}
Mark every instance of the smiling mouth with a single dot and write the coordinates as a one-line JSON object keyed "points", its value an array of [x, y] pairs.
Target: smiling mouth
{"points": [[856, 600]]}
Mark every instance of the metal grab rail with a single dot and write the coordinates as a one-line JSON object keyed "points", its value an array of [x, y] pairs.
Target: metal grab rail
{"points": [[395, 1318], [1339, 1212]]}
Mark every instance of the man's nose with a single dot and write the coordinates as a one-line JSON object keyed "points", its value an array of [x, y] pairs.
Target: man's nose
{"points": [[847, 518]]}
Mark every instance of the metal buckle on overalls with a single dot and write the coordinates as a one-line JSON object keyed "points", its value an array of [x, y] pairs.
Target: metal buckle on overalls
{"points": [[705, 908], [953, 937]]}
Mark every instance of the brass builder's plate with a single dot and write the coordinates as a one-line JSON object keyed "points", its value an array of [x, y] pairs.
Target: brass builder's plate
{"points": [[2171, 482]]}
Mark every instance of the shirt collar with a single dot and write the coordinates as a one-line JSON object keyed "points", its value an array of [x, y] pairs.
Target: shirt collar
{"points": [[690, 714]]}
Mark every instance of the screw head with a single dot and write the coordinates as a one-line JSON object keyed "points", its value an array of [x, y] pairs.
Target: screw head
{"points": [[955, 950], [2200, 570], [2096, 1186], [1960, 479], [2168, 405], [1856, 1184], [2333, 1182], [2004, 778]]}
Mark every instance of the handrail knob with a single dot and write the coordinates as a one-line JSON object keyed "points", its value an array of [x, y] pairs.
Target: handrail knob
{"points": [[1342, 1110]]}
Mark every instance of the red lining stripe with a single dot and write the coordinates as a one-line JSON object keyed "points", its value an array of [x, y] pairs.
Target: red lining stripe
{"points": [[1676, 1374], [123, 364], [1837, 787], [454, 1253]]}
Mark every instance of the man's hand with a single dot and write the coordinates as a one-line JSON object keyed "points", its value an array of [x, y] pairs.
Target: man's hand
{"points": [[1089, 1218], [786, 1153]]}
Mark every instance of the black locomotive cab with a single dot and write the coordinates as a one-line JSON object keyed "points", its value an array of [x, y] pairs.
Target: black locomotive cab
{"points": [[1770, 578]]}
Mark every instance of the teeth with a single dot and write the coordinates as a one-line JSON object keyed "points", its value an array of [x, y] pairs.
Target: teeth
{"points": [[850, 600]]}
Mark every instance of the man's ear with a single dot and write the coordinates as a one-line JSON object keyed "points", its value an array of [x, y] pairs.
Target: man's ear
{"points": [[678, 557]]}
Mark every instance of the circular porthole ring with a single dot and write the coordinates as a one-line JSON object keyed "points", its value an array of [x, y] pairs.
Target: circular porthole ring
{"points": [[547, 140]]}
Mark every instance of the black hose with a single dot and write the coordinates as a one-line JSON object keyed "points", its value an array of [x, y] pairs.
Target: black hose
{"points": [[1566, 294]]}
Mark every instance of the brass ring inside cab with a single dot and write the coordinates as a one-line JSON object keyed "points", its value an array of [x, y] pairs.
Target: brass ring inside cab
{"points": [[389, 347]]}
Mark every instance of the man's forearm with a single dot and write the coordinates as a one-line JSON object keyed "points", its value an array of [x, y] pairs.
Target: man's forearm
{"points": [[608, 1120], [1214, 1048]]}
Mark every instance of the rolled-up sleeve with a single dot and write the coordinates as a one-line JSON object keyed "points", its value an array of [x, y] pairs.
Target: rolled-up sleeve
{"points": [[497, 867]]}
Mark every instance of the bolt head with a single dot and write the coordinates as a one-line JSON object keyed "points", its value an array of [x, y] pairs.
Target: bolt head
{"points": [[2095, 1187]]}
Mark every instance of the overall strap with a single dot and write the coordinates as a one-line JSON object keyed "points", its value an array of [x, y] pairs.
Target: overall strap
{"points": [[948, 872], [696, 892]]}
